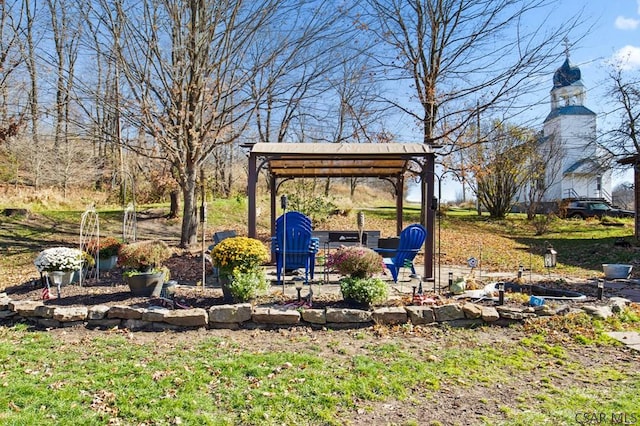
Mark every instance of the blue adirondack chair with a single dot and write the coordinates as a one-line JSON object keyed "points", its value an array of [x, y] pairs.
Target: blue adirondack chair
{"points": [[411, 240], [298, 245]]}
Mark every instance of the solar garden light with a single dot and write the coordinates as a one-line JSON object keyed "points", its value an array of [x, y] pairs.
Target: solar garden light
{"points": [[57, 279], [416, 283], [550, 257], [520, 271], [298, 282], [600, 289], [500, 287]]}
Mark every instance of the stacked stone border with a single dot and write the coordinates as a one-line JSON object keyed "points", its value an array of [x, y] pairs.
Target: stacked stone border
{"points": [[245, 315]]}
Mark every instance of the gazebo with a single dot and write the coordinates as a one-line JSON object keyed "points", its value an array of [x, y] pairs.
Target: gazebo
{"points": [[388, 161]]}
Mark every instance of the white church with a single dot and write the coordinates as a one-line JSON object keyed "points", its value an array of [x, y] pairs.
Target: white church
{"points": [[578, 170]]}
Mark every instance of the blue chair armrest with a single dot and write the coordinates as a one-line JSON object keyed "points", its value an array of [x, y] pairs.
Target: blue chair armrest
{"points": [[384, 250]]}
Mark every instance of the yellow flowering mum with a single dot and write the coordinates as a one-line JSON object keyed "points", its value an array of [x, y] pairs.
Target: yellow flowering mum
{"points": [[241, 253]]}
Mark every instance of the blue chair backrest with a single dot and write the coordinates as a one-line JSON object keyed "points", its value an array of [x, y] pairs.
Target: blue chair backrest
{"points": [[296, 247], [293, 218], [411, 240]]}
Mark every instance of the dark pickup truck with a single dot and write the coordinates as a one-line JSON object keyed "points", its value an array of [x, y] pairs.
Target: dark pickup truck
{"points": [[584, 209]]}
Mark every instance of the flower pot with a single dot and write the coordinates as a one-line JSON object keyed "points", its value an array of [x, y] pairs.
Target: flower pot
{"points": [[145, 284], [107, 263], [353, 303]]}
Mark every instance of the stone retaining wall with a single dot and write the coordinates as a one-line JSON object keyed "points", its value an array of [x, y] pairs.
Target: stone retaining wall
{"points": [[245, 315]]}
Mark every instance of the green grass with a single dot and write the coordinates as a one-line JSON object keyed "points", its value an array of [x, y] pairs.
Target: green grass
{"points": [[504, 244], [582, 245], [209, 381]]}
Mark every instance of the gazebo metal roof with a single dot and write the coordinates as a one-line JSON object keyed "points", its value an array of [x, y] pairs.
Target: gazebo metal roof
{"points": [[384, 160]]}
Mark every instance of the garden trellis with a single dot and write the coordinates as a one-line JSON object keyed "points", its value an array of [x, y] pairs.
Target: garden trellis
{"points": [[90, 237]]}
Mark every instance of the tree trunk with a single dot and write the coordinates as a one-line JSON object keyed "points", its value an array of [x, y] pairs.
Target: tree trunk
{"points": [[175, 204], [189, 232]]}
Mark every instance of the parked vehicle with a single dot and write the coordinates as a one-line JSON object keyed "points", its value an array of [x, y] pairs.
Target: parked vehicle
{"points": [[582, 209]]}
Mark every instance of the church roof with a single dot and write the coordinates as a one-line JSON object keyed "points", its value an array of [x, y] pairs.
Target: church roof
{"points": [[569, 110], [584, 166], [566, 75]]}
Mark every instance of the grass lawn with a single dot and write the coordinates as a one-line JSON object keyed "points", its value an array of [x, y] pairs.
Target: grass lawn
{"points": [[515, 376]]}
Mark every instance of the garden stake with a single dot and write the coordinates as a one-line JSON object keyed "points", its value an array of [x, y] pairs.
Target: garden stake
{"points": [[283, 204]]}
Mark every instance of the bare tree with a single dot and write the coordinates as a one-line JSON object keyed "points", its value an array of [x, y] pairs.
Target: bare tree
{"points": [[66, 32], [463, 56], [623, 195], [187, 72], [459, 58], [542, 172], [623, 141], [499, 166], [28, 47], [290, 86]]}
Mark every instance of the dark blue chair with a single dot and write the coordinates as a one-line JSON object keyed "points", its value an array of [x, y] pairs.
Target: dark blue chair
{"points": [[411, 241], [295, 248]]}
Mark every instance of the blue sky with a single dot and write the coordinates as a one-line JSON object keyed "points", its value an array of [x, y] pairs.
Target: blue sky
{"points": [[614, 36]]}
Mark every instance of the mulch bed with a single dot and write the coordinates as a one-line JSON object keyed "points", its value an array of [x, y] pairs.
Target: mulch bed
{"points": [[186, 269]]}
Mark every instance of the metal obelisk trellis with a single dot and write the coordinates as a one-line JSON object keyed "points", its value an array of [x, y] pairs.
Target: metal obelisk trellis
{"points": [[90, 242], [129, 224]]}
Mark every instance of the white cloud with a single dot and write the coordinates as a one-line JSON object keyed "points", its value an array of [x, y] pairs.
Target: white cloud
{"points": [[623, 23], [627, 58]]}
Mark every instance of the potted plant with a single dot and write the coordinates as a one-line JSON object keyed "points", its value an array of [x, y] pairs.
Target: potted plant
{"points": [[364, 292], [239, 261], [355, 261], [359, 265], [106, 251], [62, 263], [142, 262]]}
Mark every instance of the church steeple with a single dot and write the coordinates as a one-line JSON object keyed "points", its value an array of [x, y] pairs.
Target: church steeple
{"points": [[568, 89]]}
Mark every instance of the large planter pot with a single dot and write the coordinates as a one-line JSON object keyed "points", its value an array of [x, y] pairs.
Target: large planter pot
{"points": [[613, 271], [107, 263], [145, 284]]}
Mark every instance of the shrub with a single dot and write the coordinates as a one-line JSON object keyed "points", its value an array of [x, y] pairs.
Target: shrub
{"points": [[357, 262], [366, 291], [246, 285], [143, 255], [243, 253], [542, 222], [305, 198], [108, 247]]}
